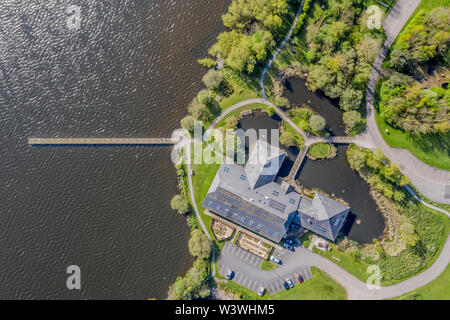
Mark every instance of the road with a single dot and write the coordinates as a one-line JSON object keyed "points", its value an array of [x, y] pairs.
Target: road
{"points": [[432, 182]]}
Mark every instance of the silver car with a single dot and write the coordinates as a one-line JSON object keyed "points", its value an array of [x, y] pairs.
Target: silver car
{"points": [[275, 259], [261, 291], [290, 283], [229, 274]]}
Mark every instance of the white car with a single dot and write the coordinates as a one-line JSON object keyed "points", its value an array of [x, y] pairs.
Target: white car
{"points": [[261, 291], [275, 259], [229, 274]]}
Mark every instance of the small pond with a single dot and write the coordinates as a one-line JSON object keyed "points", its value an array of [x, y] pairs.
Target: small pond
{"points": [[333, 176], [298, 94]]}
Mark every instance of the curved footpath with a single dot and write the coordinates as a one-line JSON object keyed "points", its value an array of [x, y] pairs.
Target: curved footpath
{"points": [[432, 182]]}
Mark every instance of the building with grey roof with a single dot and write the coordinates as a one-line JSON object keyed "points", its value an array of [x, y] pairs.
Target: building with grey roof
{"points": [[249, 197]]}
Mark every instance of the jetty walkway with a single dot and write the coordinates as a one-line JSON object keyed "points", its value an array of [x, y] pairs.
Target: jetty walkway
{"points": [[102, 141]]}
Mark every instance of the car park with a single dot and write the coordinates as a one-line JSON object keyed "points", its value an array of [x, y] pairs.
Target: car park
{"points": [[229, 274], [290, 283], [261, 291], [275, 259], [299, 278]]}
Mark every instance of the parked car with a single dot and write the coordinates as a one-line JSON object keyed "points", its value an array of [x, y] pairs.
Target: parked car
{"points": [[261, 291], [289, 241], [290, 283], [287, 246], [299, 277], [229, 274], [275, 259], [286, 286]]}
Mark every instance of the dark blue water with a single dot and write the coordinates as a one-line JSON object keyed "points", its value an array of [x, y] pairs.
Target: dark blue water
{"points": [[129, 71]]}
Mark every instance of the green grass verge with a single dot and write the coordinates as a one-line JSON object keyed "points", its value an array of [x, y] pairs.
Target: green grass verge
{"points": [[320, 150], [356, 267], [267, 265], [428, 149], [319, 287], [438, 289]]}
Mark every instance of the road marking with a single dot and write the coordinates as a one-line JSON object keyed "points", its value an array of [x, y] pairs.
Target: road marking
{"points": [[243, 252], [251, 261], [246, 258], [232, 251], [245, 281]]}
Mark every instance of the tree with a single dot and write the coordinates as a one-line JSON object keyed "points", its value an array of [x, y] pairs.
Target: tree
{"points": [[179, 204], [207, 62], [351, 99], [356, 157], [199, 111], [282, 102], [401, 61], [187, 123], [317, 123], [352, 118], [212, 79], [204, 97], [287, 139], [199, 245]]}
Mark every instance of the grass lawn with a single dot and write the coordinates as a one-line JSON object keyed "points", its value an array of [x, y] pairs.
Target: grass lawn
{"points": [[429, 149], [319, 287], [438, 289], [254, 106], [320, 150], [357, 268], [238, 96], [267, 265]]}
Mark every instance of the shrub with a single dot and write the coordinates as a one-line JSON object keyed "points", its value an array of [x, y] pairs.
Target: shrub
{"points": [[179, 204], [317, 123], [199, 245], [212, 79]]}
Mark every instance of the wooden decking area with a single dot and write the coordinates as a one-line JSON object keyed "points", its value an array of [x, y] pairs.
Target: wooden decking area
{"points": [[101, 141]]}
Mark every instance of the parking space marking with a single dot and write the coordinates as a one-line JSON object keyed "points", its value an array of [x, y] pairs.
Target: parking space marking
{"points": [[244, 282]]}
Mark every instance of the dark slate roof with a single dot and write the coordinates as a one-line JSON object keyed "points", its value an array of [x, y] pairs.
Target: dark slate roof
{"points": [[263, 164], [245, 214], [322, 215], [247, 193]]}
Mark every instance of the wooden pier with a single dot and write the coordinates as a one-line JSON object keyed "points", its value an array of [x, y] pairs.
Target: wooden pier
{"points": [[102, 141]]}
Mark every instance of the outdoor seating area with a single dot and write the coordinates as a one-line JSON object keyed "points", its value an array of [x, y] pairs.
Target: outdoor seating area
{"points": [[221, 230], [253, 245]]}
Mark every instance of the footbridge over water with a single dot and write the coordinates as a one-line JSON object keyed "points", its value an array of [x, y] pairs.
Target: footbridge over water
{"points": [[102, 141]]}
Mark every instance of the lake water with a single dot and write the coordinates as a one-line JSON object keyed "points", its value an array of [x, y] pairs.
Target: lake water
{"points": [[129, 71]]}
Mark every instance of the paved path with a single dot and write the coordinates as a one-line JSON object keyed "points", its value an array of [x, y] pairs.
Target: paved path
{"points": [[432, 182], [199, 218], [286, 39], [410, 190]]}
